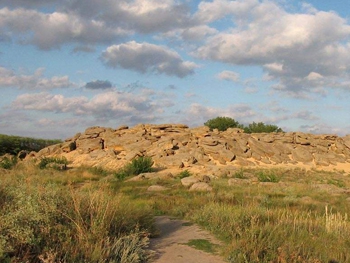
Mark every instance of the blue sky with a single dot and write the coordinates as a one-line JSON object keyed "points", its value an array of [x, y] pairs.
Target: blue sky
{"points": [[66, 65]]}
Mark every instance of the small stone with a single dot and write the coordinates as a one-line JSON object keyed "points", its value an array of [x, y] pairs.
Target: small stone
{"points": [[201, 186]]}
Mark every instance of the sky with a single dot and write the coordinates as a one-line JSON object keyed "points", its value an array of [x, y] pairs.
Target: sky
{"points": [[66, 65]]}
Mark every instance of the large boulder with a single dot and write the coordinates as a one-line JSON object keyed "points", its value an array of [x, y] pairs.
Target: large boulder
{"points": [[188, 181]]}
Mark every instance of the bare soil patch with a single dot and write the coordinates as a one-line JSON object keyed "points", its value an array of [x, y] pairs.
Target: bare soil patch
{"points": [[172, 243]]}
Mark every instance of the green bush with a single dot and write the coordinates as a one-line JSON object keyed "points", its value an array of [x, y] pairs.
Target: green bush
{"points": [[222, 123], [261, 127], [137, 166], [8, 162], [185, 173], [140, 165], [58, 163], [268, 177], [72, 146]]}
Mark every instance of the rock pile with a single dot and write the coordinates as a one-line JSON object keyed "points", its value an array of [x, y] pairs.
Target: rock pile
{"points": [[178, 146]]}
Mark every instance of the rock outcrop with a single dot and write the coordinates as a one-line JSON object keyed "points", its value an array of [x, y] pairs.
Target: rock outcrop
{"points": [[178, 146]]}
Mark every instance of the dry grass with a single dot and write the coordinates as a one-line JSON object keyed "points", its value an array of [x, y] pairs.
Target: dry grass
{"points": [[85, 216], [49, 220]]}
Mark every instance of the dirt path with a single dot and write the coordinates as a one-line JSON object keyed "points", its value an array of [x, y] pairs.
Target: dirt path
{"points": [[171, 245]]}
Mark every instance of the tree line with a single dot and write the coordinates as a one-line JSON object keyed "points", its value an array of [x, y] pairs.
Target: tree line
{"points": [[14, 144]]}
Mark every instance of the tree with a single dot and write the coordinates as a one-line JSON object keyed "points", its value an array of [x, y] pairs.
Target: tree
{"points": [[261, 127], [222, 123]]}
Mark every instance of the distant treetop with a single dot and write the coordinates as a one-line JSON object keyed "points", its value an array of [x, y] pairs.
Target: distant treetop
{"points": [[14, 144], [223, 123]]}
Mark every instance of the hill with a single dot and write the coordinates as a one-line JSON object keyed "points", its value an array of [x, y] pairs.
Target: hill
{"points": [[176, 146]]}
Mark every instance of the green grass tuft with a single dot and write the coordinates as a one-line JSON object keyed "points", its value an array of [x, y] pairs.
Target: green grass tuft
{"points": [[203, 244], [137, 166], [268, 176], [58, 163], [8, 162], [185, 173]]}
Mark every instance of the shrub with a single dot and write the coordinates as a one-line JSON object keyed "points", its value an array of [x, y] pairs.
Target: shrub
{"points": [[268, 177], [58, 163], [137, 166], [185, 173], [140, 165], [72, 146], [261, 127], [121, 175], [222, 123], [8, 162]]}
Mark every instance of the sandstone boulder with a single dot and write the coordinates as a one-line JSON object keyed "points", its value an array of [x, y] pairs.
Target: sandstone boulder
{"points": [[201, 187], [188, 181]]}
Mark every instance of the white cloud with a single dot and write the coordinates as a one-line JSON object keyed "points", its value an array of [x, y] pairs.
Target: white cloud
{"points": [[49, 103], [143, 16], [288, 46], [229, 75], [314, 76], [103, 107], [9, 78], [211, 11], [323, 128], [26, 3], [198, 32], [145, 57], [49, 31], [89, 22], [305, 115]]}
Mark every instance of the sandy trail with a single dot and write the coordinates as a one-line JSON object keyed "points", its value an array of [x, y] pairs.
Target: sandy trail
{"points": [[170, 246]]}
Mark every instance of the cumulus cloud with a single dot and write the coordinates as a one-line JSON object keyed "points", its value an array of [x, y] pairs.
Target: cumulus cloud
{"points": [[110, 105], [89, 21], [323, 128], [197, 33], [294, 49], [146, 57], [142, 16], [211, 11], [26, 3], [190, 34], [99, 84], [49, 103], [9, 78], [229, 75], [49, 31]]}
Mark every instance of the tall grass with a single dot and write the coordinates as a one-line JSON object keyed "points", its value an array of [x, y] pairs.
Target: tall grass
{"points": [[257, 234], [43, 221], [262, 223], [50, 216]]}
